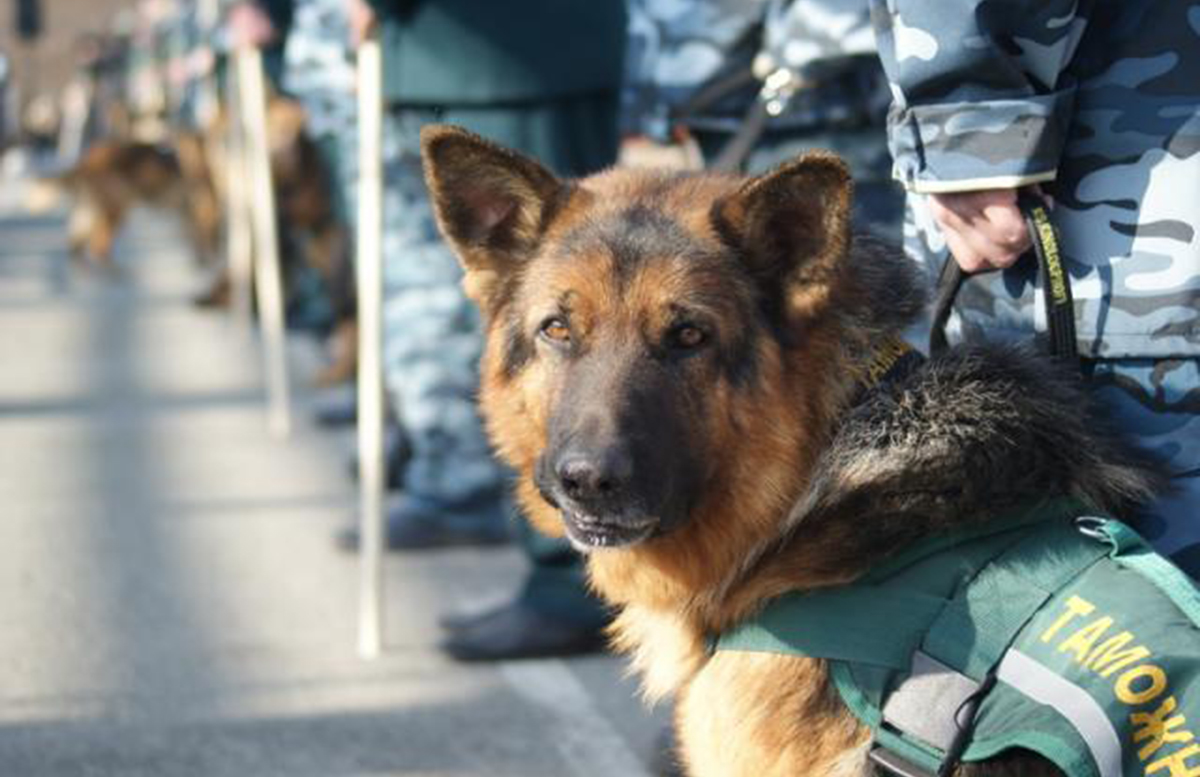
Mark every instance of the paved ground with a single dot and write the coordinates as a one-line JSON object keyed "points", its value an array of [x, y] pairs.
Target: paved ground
{"points": [[170, 603]]}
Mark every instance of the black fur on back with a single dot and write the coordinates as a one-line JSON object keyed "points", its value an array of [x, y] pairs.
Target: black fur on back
{"points": [[969, 435], [972, 433]]}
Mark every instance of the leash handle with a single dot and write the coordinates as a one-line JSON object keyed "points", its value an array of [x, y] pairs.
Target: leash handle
{"points": [[949, 282], [1056, 283]]}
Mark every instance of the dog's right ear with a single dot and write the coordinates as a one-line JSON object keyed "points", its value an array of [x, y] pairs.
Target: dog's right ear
{"points": [[792, 227], [491, 204]]}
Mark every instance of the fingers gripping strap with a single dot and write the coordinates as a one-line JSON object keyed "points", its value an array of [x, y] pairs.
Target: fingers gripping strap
{"points": [[1056, 284]]}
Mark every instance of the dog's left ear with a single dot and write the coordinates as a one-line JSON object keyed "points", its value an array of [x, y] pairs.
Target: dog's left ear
{"points": [[491, 203], [792, 227]]}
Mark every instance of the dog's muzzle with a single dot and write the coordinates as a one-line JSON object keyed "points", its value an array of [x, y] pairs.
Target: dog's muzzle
{"points": [[593, 489]]}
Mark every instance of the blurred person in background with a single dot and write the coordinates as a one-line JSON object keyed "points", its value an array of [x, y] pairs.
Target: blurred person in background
{"points": [[263, 24], [1098, 106], [746, 84], [319, 71], [540, 76]]}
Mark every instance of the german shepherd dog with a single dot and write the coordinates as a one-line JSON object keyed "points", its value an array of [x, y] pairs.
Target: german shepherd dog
{"points": [[113, 176], [674, 367]]}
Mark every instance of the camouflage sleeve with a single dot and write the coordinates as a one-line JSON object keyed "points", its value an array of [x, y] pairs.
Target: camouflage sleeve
{"points": [[673, 47], [979, 100], [816, 38]]}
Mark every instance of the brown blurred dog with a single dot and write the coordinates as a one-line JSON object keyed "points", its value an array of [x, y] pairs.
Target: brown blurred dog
{"points": [[310, 232], [114, 176], [189, 177], [678, 367]]}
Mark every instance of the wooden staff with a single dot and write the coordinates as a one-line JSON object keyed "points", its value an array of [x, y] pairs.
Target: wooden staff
{"points": [[76, 109], [268, 283], [369, 272], [239, 244], [208, 14]]}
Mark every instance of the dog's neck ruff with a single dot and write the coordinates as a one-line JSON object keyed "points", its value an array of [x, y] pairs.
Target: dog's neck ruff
{"points": [[1046, 630]]}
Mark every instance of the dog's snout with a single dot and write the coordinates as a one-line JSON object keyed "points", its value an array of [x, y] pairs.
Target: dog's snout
{"points": [[589, 476]]}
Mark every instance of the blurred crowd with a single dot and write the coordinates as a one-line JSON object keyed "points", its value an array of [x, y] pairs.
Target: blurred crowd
{"points": [[735, 85]]}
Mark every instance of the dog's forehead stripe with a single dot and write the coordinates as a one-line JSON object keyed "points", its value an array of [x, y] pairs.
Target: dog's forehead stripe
{"points": [[631, 236]]}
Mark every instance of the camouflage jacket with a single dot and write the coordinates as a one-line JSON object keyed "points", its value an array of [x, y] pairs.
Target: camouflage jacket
{"points": [[1097, 101], [814, 59], [319, 66], [674, 46]]}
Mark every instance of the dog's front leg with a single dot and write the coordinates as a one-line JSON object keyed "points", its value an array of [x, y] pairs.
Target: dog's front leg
{"points": [[765, 715]]}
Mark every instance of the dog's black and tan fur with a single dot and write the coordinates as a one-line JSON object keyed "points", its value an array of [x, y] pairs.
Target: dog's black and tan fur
{"points": [[673, 367]]}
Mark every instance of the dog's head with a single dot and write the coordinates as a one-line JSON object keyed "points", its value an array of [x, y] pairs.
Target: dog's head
{"points": [[657, 345]]}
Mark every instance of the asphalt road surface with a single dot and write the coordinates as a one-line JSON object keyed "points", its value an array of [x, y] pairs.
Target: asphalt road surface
{"points": [[170, 599]]}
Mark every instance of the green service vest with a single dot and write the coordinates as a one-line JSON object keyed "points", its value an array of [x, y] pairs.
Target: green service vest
{"points": [[1063, 633]]}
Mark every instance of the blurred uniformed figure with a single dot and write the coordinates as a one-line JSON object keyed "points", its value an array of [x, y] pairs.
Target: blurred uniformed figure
{"points": [[1098, 104], [540, 76], [751, 83]]}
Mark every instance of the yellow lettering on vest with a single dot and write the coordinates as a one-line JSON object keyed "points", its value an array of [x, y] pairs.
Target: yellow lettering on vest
{"points": [[1110, 655], [1085, 638], [1076, 607], [1176, 763], [1157, 727], [1124, 687]]}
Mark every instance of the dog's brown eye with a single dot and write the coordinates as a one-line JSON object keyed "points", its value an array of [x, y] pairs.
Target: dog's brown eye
{"points": [[555, 329], [688, 337]]}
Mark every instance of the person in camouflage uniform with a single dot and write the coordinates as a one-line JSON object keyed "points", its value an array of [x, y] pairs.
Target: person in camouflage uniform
{"points": [[319, 72], [318, 69], [808, 65], [1098, 104], [540, 76]]}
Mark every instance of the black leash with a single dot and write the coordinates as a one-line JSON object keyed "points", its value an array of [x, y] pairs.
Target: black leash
{"points": [[1056, 284]]}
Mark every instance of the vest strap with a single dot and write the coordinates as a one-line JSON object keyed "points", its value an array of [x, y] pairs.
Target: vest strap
{"points": [[976, 628]]}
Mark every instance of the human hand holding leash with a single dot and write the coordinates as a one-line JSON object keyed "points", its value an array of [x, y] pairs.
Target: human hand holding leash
{"points": [[984, 229], [981, 238]]}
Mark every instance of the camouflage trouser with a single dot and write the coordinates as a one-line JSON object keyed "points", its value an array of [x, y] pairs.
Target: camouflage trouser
{"points": [[432, 337], [1157, 402], [319, 72]]}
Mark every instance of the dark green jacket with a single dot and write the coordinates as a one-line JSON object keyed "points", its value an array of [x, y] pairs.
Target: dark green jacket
{"points": [[479, 52]]}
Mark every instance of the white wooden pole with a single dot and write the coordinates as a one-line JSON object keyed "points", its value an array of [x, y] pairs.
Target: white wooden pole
{"points": [[369, 270], [76, 108], [268, 282], [239, 245], [208, 13]]}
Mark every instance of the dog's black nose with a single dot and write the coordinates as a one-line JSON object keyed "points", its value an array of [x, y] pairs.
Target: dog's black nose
{"points": [[594, 476]]}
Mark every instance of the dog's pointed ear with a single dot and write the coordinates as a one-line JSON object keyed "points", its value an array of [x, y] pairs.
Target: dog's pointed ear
{"points": [[792, 227], [491, 203]]}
